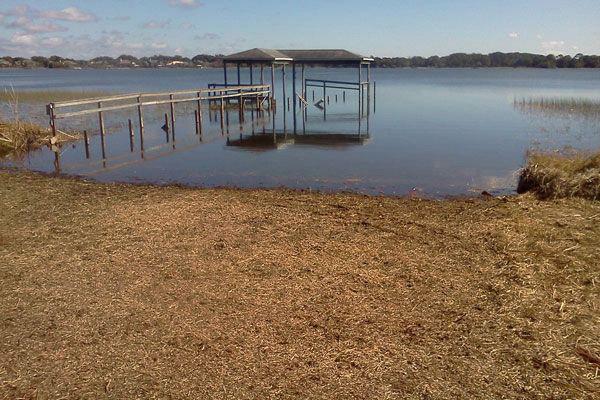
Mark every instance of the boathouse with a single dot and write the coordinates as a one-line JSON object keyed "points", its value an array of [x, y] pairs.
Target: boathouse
{"points": [[258, 59]]}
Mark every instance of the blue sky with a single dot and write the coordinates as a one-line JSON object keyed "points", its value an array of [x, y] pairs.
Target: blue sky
{"points": [[88, 28]]}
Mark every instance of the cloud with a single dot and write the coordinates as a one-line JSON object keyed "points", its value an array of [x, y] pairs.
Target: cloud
{"points": [[52, 41], [556, 47], [553, 45], [159, 45], [513, 35], [156, 24], [27, 25], [72, 14], [185, 3], [208, 36], [23, 39]]}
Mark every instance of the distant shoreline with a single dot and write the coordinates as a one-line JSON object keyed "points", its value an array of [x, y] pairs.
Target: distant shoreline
{"points": [[456, 60]]}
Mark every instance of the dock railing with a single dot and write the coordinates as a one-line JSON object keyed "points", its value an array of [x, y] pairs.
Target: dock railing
{"points": [[100, 105]]}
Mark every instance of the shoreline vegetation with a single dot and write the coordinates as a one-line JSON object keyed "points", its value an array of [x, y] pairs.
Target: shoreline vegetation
{"points": [[561, 175], [456, 60], [248, 293]]}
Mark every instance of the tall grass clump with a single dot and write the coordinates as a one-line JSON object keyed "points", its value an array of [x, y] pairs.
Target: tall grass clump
{"points": [[561, 106], [18, 136], [567, 174]]}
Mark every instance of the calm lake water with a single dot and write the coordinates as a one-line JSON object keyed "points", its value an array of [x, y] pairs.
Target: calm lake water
{"points": [[434, 131]]}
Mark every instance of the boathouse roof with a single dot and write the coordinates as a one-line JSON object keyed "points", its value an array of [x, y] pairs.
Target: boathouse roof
{"points": [[299, 56]]}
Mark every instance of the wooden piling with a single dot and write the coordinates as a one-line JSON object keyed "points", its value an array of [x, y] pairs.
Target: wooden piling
{"points": [[172, 106], [344, 96], [86, 142], [140, 120], [196, 121], [221, 109], [167, 127], [52, 120], [101, 122], [199, 110], [130, 135]]}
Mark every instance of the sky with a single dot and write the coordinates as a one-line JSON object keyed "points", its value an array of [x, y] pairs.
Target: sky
{"points": [[385, 28]]}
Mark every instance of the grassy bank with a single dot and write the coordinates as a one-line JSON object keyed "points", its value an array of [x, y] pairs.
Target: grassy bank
{"points": [[556, 175], [114, 291]]}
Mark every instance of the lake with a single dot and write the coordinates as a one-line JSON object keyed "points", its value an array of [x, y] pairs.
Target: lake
{"points": [[434, 132]]}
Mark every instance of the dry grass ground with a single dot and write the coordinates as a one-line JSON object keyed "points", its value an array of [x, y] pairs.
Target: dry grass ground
{"points": [[567, 174], [114, 291]]}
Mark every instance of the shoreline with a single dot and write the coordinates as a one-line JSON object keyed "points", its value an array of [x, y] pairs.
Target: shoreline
{"points": [[112, 289]]}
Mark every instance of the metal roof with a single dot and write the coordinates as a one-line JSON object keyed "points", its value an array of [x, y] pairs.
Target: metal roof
{"points": [[324, 55], [258, 55], [301, 56]]}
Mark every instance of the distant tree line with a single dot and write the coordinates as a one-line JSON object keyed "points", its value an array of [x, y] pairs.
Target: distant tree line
{"points": [[492, 60], [123, 61], [457, 60]]}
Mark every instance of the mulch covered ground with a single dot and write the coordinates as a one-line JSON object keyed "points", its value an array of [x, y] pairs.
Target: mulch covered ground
{"points": [[115, 291]]}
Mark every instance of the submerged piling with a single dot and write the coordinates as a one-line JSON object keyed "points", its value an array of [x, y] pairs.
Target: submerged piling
{"points": [[86, 142], [130, 135]]}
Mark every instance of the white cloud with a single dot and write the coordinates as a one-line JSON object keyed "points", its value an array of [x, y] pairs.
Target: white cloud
{"points": [[53, 41], [513, 35], [159, 45], [185, 3], [555, 47], [26, 24], [208, 36], [156, 24], [23, 39], [540, 37], [72, 14], [553, 44]]}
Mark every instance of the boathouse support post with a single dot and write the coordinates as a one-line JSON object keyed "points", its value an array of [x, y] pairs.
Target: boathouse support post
{"points": [[303, 83], [251, 66], [324, 100], [294, 93], [360, 89], [272, 100], [368, 88], [225, 73], [262, 74], [238, 74]]}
